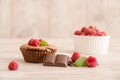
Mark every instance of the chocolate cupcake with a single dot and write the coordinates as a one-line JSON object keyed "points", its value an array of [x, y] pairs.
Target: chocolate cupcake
{"points": [[36, 50]]}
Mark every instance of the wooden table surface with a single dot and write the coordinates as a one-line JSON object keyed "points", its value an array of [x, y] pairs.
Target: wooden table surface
{"points": [[108, 69]]}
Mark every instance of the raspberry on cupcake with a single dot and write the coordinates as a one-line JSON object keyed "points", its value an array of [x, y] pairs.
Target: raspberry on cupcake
{"points": [[36, 50]]}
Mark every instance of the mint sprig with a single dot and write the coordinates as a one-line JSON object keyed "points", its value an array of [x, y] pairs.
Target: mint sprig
{"points": [[43, 43], [81, 62]]}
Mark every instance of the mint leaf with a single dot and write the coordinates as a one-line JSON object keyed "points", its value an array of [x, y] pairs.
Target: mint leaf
{"points": [[80, 62], [43, 43]]}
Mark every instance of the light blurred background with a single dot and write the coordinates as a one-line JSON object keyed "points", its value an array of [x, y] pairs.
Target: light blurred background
{"points": [[57, 18]]}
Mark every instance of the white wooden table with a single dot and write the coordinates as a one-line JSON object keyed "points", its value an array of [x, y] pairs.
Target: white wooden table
{"points": [[108, 69]]}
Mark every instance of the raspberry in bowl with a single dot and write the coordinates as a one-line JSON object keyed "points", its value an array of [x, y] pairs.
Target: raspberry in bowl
{"points": [[36, 50], [89, 40]]}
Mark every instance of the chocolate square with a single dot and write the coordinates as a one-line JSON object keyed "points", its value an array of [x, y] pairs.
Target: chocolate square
{"points": [[49, 60], [61, 60]]}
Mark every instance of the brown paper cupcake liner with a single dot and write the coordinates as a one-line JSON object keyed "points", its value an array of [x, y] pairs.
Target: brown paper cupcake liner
{"points": [[35, 56]]}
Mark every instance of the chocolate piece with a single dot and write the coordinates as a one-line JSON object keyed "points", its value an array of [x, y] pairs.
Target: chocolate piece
{"points": [[70, 63], [61, 60], [49, 60]]}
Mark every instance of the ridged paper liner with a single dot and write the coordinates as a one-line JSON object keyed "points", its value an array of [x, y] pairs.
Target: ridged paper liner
{"points": [[35, 56], [92, 45]]}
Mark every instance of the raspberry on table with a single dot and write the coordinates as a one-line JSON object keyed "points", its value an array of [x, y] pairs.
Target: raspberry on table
{"points": [[13, 65], [91, 61], [75, 56]]}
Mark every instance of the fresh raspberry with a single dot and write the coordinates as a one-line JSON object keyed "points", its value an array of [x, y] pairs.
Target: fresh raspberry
{"points": [[90, 34], [30, 41], [75, 56], [13, 65], [100, 34], [77, 32], [83, 29], [34, 42], [91, 27], [97, 32], [83, 34], [103, 33], [91, 61], [93, 32], [86, 30], [89, 31]]}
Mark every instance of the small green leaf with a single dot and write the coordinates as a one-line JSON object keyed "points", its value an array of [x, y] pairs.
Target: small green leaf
{"points": [[80, 62], [95, 27], [43, 43]]}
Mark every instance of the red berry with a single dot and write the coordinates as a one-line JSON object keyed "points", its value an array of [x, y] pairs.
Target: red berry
{"points": [[83, 29], [90, 34], [83, 34], [34, 42], [30, 41], [91, 27], [13, 65], [86, 30], [97, 32], [100, 34], [94, 32], [91, 61], [77, 32], [87, 34], [89, 31], [75, 56], [103, 33]]}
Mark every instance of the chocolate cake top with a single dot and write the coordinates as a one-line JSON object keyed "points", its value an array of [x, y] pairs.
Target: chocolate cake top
{"points": [[39, 48]]}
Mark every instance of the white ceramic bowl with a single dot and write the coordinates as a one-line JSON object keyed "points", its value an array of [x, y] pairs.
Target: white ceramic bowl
{"points": [[91, 45]]}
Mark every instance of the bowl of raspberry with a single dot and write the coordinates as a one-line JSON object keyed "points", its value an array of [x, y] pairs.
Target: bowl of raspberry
{"points": [[90, 40]]}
